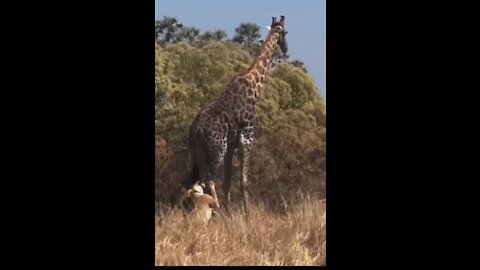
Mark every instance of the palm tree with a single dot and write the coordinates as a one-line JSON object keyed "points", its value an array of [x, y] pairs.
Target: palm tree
{"points": [[169, 27], [247, 34], [157, 30], [217, 35], [299, 64], [189, 34]]}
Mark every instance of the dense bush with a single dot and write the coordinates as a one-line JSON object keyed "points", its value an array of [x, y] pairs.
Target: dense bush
{"points": [[288, 156]]}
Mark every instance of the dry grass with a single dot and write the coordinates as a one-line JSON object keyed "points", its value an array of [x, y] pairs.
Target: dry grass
{"points": [[267, 239]]}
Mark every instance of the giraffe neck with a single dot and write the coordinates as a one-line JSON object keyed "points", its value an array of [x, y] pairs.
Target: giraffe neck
{"points": [[251, 81], [261, 64]]}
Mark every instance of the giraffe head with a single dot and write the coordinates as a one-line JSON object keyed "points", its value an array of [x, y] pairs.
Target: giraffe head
{"points": [[279, 27]]}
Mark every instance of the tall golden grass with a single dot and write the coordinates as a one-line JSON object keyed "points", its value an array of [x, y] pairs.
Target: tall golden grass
{"points": [[294, 238]]}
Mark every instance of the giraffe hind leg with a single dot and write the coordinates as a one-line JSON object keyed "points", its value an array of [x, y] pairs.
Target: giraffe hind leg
{"points": [[244, 184], [245, 146], [216, 157], [228, 174]]}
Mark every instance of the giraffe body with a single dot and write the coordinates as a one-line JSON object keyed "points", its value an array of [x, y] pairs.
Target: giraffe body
{"points": [[229, 122]]}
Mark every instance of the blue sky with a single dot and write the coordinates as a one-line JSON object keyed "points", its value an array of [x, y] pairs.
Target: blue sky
{"points": [[305, 21]]}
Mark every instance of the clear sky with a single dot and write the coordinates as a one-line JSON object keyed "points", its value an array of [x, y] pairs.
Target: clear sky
{"points": [[305, 21]]}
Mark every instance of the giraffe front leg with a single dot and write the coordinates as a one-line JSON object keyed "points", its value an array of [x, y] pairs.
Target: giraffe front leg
{"points": [[245, 146], [214, 202]]}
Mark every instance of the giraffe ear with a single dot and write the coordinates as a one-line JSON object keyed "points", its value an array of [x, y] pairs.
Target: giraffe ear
{"points": [[268, 28]]}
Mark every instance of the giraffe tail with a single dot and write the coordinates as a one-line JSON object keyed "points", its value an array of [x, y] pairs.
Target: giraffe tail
{"points": [[188, 182], [195, 173], [191, 177]]}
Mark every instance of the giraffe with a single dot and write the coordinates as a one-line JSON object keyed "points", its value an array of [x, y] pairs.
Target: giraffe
{"points": [[229, 121]]}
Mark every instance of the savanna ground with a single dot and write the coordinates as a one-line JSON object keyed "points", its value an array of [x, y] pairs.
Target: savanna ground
{"points": [[295, 237]]}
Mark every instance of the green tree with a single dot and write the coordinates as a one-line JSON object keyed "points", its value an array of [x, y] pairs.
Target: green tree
{"points": [[248, 35], [217, 35], [288, 158], [299, 64], [189, 34], [167, 29]]}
